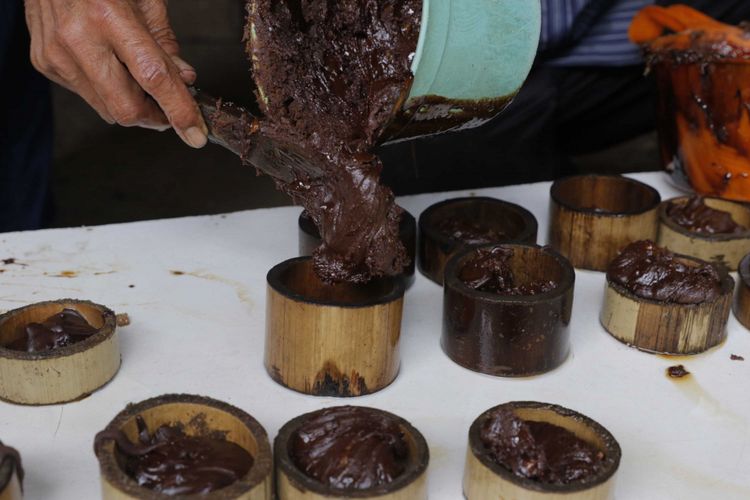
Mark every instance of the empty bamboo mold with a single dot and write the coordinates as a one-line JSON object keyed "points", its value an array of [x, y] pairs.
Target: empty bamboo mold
{"points": [[11, 474], [331, 340], [726, 249], [667, 328], [485, 479], [63, 374], [742, 299], [309, 240], [292, 483], [197, 416], [509, 335], [452, 226], [592, 217]]}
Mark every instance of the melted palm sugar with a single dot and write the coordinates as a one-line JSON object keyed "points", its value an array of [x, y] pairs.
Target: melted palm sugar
{"points": [[489, 270], [651, 272], [330, 75], [350, 448], [8, 454], [173, 463], [697, 217], [65, 328], [538, 450], [470, 232]]}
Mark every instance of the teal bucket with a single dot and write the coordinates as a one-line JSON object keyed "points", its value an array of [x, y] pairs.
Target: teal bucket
{"points": [[475, 49], [472, 58]]}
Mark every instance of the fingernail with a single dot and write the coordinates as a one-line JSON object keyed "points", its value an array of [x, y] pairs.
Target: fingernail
{"points": [[195, 137]]}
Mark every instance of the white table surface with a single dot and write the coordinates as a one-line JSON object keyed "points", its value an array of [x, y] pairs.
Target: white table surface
{"points": [[202, 333]]}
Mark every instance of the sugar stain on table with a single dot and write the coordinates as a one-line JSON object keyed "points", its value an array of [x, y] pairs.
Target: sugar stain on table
{"points": [[239, 288], [699, 396]]}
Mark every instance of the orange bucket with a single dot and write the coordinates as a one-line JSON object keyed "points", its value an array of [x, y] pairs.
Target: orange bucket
{"points": [[702, 69], [704, 125]]}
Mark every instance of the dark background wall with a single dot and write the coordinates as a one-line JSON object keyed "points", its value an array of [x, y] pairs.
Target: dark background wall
{"points": [[105, 174]]}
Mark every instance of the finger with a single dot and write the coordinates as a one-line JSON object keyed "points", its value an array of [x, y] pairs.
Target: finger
{"points": [[187, 72], [57, 65], [124, 99], [156, 19], [33, 16], [155, 72], [84, 89], [154, 15], [35, 21]]}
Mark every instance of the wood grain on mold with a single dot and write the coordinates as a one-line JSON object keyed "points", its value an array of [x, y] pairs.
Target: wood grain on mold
{"points": [[64, 374], [435, 248], [591, 239], [486, 480], [724, 249], [664, 328], [292, 484], [340, 340], [198, 416], [510, 336], [742, 297]]}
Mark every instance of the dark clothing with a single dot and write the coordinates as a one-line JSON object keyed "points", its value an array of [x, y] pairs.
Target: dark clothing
{"points": [[558, 113], [25, 127], [561, 111]]}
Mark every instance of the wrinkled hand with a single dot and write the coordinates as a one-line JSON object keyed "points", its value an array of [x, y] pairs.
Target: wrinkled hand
{"points": [[122, 57]]}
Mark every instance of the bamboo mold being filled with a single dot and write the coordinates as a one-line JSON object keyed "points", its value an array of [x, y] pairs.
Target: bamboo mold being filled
{"points": [[742, 298], [592, 217], [63, 374], [377, 454], [11, 474], [509, 334], [726, 248], [195, 416], [683, 311], [455, 225], [486, 479], [309, 240], [331, 340]]}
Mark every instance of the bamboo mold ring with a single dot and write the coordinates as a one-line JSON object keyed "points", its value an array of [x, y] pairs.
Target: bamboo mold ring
{"points": [[435, 247], [666, 328], [742, 299], [506, 335], [198, 416], [61, 375], [331, 340], [293, 484], [593, 217], [484, 479], [723, 249], [10, 479], [309, 240]]}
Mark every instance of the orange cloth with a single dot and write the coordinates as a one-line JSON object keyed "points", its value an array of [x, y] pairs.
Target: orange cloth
{"points": [[653, 22], [687, 28]]}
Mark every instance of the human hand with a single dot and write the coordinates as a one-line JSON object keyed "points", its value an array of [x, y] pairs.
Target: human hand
{"points": [[122, 57]]}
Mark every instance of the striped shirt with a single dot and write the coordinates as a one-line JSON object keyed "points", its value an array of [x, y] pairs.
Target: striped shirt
{"points": [[589, 32]]}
